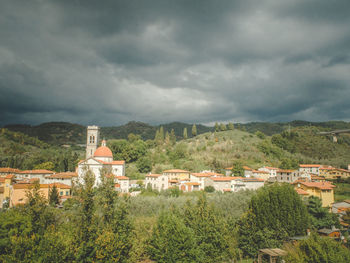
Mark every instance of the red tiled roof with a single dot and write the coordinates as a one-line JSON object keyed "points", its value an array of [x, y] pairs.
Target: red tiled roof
{"points": [[319, 185], [66, 175], [309, 165], [8, 170], [247, 168], [229, 168], [226, 190], [122, 178], [201, 174], [121, 162], [10, 176], [117, 185], [271, 168], [173, 181], [175, 171], [2, 179], [37, 171], [285, 171], [253, 180], [192, 183], [301, 192]]}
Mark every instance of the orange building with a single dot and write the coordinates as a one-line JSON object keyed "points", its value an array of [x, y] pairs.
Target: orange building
{"points": [[19, 191]]}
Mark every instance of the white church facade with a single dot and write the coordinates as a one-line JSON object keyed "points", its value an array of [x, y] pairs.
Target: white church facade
{"points": [[99, 158]]}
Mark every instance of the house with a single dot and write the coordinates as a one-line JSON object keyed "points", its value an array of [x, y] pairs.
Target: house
{"points": [[37, 173], [322, 190], [264, 175], [287, 175], [19, 191], [177, 174], [271, 170], [158, 182], [203, 179], [123, 182], [333, 232], [340, 207], [64, 178], [190, 186], [251, 183], [224, 184], [310, 168], [247, 171]]}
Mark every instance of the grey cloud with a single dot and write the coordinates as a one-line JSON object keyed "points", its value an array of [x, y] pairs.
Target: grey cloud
{"points": [[159, 61]]}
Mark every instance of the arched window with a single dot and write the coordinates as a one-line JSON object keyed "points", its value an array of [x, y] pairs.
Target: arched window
{"points": [[93, 139]]}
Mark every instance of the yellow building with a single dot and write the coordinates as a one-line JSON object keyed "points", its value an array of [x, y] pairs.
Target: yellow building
{"points": [[177, 174], [322, 190], [334, 173]]}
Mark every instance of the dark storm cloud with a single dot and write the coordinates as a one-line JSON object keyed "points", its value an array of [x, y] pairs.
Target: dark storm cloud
{"points": [[108, 62]]}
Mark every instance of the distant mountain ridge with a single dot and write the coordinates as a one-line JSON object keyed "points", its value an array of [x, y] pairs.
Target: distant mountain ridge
{"points": [[68, 133]]}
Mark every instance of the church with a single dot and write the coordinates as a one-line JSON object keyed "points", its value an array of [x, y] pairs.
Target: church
{"points": [[98, 158]]}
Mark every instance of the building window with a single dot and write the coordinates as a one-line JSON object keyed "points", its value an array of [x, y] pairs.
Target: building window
{"points": [[61, 193]]}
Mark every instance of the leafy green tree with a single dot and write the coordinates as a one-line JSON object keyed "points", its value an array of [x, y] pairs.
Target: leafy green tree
{"points": [[194, 130], [161, 133], [209, 189], [231, 126], [167, 138], [223, 127], [320, 216], [260, 135], [217, 128], [209, 228], [172, 241], [172, 137], [275, 212], [54, 198], [46, 165], [185, 135], [238, 169], [318, 249], [144, 164]]}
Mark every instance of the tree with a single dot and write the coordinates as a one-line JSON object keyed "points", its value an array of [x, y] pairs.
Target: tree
{"points": [[167, 138], [161, 133], [209, 228], [172, 241], [260, 135], [209, 189], [238, 169], [231, 126], [172, 137], [217, 128], [223, 127], [45, 165], [318, 249], [320, 216], [275, 212], [54, 198], [194, 130], [144, 164], [185, 135]]}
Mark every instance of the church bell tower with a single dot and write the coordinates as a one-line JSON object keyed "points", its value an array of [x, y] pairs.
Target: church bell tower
{"points": [[92, 134]]}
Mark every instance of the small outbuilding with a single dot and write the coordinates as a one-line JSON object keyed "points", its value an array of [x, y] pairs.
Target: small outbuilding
{"points": [[273, 254]]}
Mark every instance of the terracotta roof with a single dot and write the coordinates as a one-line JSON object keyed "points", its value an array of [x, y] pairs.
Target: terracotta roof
{"points": [[37, 171], [66, 175], [225, 179], [226, 190], [122, 178], [309, 165], [175, 171], [2, 179], [247, 168], [173, 181], [301, 192], [342, 170], [319, 185], [103, 151], [229, 168], [10, 176], [28, 185], [153, 175], [327, 168], [201, 174], [58, 185], [117, 185], [112, 163], [8, 170], [214, 174]]}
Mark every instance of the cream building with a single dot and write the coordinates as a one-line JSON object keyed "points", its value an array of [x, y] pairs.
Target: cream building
{"points": [[158, 182], [310, 168]]}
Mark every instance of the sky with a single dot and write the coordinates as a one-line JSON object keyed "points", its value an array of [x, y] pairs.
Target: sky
{"points": [[196, 61]]}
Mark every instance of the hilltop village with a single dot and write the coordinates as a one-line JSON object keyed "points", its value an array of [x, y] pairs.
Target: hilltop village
{"points": [[308, 180], [307, 192]]}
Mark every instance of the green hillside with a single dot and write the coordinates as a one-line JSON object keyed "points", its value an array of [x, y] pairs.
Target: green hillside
{"points": [[18, 150]]}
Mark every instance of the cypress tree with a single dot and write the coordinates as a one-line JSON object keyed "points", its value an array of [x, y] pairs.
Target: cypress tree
{"points": [[185, 133], [194, 130], [54, 198]]}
